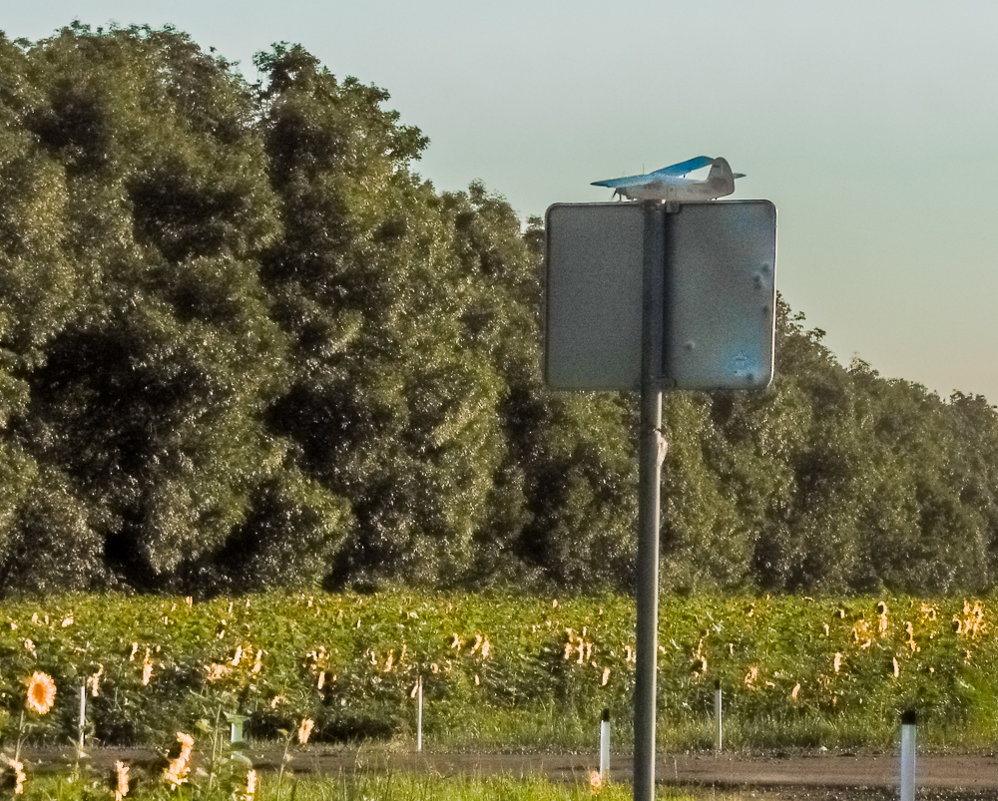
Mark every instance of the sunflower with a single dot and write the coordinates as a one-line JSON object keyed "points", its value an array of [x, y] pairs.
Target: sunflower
{"points": [[178, 769], [120, 780], [250, 785], [16, 768], [41, 692]]}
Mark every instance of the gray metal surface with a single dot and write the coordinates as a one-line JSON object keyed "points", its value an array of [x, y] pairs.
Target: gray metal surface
{"points": [[720, 295], [594, 298], [650, 455]]}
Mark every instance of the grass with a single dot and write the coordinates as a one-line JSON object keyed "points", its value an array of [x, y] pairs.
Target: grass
{"points": [[371, 787]]}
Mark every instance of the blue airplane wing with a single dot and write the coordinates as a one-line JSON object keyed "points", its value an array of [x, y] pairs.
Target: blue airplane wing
{"points": [[675, 170], [684, 167], [630, 180]]}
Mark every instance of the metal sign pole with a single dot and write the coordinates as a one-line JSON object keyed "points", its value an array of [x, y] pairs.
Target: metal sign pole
{"points": [[651, 451], [618, 317]]}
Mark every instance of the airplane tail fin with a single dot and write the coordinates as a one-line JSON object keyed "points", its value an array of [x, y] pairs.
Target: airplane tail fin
{"points": [[721, 177]]}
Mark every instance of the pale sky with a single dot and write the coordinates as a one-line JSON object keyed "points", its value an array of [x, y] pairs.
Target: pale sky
{"points": [[873, 127]]}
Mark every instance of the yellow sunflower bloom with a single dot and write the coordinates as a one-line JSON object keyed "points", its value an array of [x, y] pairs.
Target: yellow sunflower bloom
{"points": [[41, 692]]}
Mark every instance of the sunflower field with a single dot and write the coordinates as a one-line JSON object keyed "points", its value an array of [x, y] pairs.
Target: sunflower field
{"points": [[498, 670]]}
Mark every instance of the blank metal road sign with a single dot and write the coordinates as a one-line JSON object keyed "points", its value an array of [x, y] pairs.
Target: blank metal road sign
{"points": [[595, 271], [720, 295], [719, 312]]}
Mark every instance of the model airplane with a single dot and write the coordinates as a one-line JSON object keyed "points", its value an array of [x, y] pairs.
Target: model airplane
{"points": [[671, 183]]}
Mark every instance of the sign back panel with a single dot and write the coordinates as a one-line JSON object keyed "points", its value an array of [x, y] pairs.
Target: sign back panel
{"points": [[720, 295], [595, 273], [719, 268]]}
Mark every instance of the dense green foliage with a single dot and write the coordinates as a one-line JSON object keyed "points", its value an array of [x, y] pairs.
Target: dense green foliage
{"points": [[244, 345], [500, 670]]}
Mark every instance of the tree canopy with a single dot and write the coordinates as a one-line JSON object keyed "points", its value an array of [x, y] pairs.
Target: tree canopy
{"points": [[244, 344]]}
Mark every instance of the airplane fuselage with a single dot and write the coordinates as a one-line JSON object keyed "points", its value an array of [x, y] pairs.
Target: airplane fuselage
{"points": [[686, 191], [671, 184]]}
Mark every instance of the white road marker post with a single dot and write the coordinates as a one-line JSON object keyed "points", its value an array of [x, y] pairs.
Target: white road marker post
{"points": [[419, 713], [83, 714], [909, 719], [235, 727], [718, 740], [604, 746]]}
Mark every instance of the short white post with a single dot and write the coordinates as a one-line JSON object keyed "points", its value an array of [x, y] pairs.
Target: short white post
{"points": [[419, 713], [235, 727], [604, 746], [83, 714], [909, 720], [718, 739]]}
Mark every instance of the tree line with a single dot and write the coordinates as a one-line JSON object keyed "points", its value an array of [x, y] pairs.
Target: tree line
{"points": [[243, 344]]}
